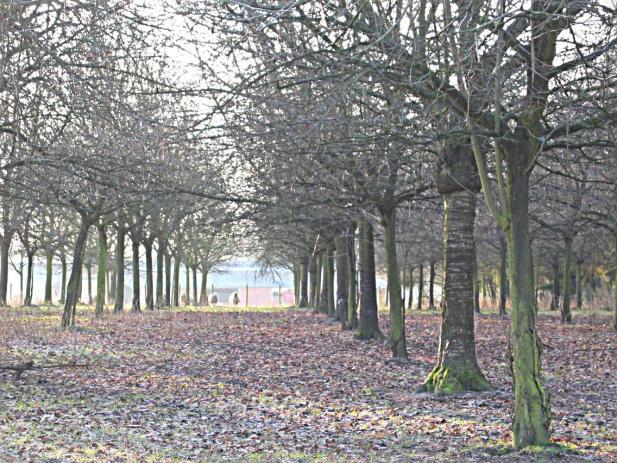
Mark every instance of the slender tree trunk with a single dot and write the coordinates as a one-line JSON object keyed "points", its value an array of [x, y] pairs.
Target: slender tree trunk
{"points": [[136, 305], [615, 282], [323, 299], [149, 276], [119, 293], [420, 286], [457, 367], [160, 259], [89, 277], [203, 296], [70, 304], [352, 314], [176, 286], [579, 284], [100, 273], [556, 284], [63, 279], [431, 285], [29, 279], [342, 279], [187, 289], [195, 300], [167, 298], [330, 280], [503, 275], [369, 321], [5, 246], [303, 301], [110, 282], [296, 274], [531, 402], [410, 300], [319, 275], [398, 345], [49, 269], [566, 314], [312, 270], [476, 283]]}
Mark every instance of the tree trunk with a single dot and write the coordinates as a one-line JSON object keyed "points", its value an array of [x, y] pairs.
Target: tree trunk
{"points": [[503, 275], [29, 279], [342, 279], [70, 304], [330, 280], [457, 368], [203, 296], [149, 276], [89, 277], [556, 284], [303, 301], [323, 298], [160, 259], [119, 294], [5, 247], [187, 290], [313, 275], [476, 284], [531, 402], [352, 314], [431, 285], [63, 279], [49, 268], [397, 324], [579, 284], [136, 304], [176, 286], [194, 269], [420, 286], [100, 273], [566, 314], [369, 321], [410, 300], [167, 298]]}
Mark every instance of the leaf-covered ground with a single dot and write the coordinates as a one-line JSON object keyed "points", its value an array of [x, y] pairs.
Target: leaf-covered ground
{"points": [[261, 386]]}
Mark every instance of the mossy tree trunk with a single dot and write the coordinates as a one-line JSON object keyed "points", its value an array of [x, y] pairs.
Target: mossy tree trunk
{"points": [[566, 313], [342, 279], [100, 273], [135, 305], [72, 291], [457, 368], [398, 345], [49, 269], [119, 295], [369, 321]]}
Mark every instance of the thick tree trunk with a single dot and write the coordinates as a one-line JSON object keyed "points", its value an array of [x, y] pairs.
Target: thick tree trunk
{"points": [[531, 402], [303, 301], [167, 298], [160, 260], [119, 293], [70, 304], [29, 279], [431, 285], [149, 276], [398, 345], [49, 269], [420, 286], [503, 275], [566, 314], [556, 284], [100, 273], [342, 279], [136, 305], [5, 247], [457, 368], [352, 313], [369, 321], [176, 286], [203, 295]]}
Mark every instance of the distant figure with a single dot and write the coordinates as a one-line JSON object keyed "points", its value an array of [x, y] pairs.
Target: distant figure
{"points": [[235, 299], [213, 299]]}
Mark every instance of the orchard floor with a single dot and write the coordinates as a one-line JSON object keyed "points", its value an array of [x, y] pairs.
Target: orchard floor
{"points": [[284, 386]]}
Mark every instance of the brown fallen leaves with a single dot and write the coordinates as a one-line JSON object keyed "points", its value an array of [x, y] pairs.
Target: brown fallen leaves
{"points": [[210, 386]]}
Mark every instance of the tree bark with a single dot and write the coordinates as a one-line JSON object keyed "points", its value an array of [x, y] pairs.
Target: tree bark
{"points": [[410, 300], [29, 278], [70, 304], [5, 247], [176, 286], [503, 275], [369, 320], [420, 286], [352, 314], [119, 294], [342, 279], [63, 279], [431, 285], [556, 284], [149, 276], [314, 285], [476, 283], [187, 290], [579, 284], [303, 301], [330, 281], [194, 269], [203, 296], [566, 314], [89, 278], [457, 368], [136, 305], [100, 273], [167, 298], [160, 260], [49, 268]]}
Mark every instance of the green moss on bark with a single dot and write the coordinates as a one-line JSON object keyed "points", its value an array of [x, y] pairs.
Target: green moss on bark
{"points": [[454, 379]]}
